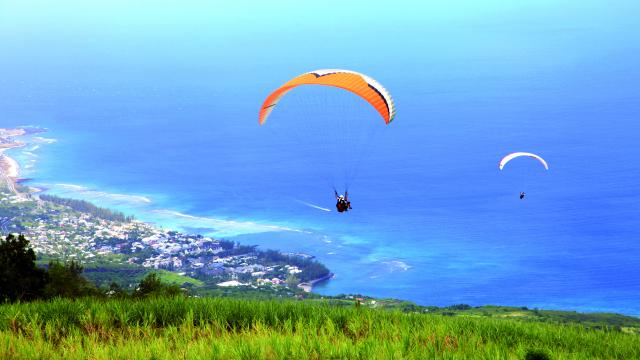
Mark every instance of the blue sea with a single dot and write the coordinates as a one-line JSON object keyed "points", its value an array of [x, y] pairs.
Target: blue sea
{"points": [[152, 109]]}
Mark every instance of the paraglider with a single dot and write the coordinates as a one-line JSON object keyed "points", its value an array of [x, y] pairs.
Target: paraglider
{"points": [[343, 204], [514, 155], [359, 84]]}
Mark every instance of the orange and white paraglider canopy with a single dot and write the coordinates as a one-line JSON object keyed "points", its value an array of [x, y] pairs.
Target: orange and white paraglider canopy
{"points": [[359, 84]]}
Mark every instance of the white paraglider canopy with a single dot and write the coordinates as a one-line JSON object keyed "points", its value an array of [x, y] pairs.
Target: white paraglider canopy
{"points": [[514, 155]]}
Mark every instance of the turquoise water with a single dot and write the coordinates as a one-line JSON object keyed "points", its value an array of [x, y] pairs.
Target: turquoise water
{"points": [[154, 109]]}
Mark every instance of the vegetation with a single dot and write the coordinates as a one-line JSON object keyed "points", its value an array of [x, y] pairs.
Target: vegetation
{"points": [[20, 279], [608, 321], [262, 292], [87, 207], [127, 276], [249, 329], [311, 269], [177, 279], [103, 273], [152, 286], [125, 252], [66, 280], [155, 319], [231, 248]]}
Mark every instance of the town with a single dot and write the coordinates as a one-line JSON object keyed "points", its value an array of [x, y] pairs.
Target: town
{"points": [[63, 229]]}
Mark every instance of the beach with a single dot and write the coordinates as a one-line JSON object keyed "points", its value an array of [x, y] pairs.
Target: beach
{"points": [[9, 167], [9, 171]]}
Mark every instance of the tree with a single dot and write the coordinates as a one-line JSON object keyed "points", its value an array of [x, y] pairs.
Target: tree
{"points": [[115, 291], [227, 245], [87, 207], [151, 285], [20, 278], [66, 280], [292, 281]]}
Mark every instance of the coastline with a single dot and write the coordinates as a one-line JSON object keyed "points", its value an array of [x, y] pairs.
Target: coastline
{"points": [[196, 222], [9, 167], [10, 171], [308, 286]]}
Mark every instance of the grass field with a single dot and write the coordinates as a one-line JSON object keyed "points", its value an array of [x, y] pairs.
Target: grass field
{"points": [[215, 328], [173, 278]]}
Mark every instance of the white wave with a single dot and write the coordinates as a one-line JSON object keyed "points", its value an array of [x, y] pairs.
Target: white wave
{"points": [[326, 239], [395, 265], [72, 187], [96, 194], [40, 139], [29, 153], [311, 205], [170, 218], [34, 148], [221, 227]]}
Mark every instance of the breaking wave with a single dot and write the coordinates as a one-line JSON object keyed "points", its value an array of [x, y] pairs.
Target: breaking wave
{"points": [[85, 192], [396, 265], [219, 227], [40, 139], [141, 207]]}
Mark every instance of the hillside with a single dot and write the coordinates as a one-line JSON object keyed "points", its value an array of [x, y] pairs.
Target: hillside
{"points": [[116, 248], [251, 329]]}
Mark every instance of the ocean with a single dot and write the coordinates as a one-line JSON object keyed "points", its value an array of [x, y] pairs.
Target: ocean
{"points": [[153, 110]]}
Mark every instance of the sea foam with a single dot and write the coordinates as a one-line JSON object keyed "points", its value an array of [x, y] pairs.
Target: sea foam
{"points": [[85, 192], [219, 227]]}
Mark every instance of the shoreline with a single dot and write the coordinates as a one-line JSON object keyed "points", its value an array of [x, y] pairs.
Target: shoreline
{"points": [[10, 173], [308, 286], [9, 167]]}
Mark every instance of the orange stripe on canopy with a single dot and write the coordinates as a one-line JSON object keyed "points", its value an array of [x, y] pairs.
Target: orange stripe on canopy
{"points": [[359, 84]]}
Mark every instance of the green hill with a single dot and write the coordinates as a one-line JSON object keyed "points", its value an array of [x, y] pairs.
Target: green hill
{"points": [[227, 328]]}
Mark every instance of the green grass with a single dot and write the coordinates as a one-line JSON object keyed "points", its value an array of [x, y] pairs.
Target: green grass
{"points": [[591, 320], [173, 278], [217, 328], [103, 273]]}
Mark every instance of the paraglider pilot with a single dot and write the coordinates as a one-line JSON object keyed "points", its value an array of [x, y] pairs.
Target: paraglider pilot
{"points": [[343, 204], [522, 194]]}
